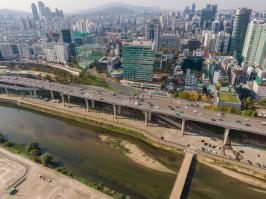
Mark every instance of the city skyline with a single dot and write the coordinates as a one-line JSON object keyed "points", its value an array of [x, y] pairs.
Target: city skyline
{"points": [[167, 4]]}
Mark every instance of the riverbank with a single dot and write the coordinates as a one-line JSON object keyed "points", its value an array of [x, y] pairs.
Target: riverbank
{"points": [[33, 153], [52, 185], [136, 154], [244, 175], [147, 134]]}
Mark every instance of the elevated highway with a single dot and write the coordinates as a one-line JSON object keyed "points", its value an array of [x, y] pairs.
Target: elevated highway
{"points": [[147, 106]]}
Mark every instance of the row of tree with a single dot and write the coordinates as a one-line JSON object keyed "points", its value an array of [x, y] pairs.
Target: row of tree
{"points": [[193, 95], [34, 151]]}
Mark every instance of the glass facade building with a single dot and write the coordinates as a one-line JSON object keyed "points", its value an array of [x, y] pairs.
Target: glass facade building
{"points": [[240, 27], [254, 51], [138, 62]]}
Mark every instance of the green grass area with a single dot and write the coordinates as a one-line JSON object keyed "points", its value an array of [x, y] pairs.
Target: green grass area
{"points": [[87, 78], [228, 97]]}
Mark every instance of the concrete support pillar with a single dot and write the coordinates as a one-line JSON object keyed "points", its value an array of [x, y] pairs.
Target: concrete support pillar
{"points": [[35, 93], [149, 116], [226, 136], [92, 104], [68, 99], [63, 99], [31, 93], [6, 90], [146, 118], [114, 111], [87, 104], [52, 94], [119, 110], [183, 127]]}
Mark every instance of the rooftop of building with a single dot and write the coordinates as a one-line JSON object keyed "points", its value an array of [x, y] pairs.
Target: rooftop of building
{"points": [[106, 59], [228, 97], [138, 43]]}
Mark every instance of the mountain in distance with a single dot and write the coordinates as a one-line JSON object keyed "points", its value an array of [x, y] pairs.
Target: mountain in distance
{"points": [[116, 8], [14, 13]]}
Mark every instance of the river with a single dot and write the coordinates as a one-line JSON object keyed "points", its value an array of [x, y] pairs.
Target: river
{"points": [[81, 150]]}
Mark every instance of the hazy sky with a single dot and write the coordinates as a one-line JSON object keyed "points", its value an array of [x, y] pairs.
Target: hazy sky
{"points": [[74, 5]]}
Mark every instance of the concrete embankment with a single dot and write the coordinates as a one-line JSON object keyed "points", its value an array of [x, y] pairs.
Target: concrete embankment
{"points": [[115, 127]]}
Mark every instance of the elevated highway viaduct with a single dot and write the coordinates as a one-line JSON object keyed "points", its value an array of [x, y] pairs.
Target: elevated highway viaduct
{"points": [[149, 107]]}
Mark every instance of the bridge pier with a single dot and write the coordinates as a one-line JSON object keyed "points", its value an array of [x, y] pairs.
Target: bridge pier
{"points": [[35, 93], [119, 110], [68, 99], [226, 136], [52, 94], [87, 104], [92, 104], [63, 99], [31, 93], [6, 90], [149, 116], [115, 111], [146, 118], [183, 127]]}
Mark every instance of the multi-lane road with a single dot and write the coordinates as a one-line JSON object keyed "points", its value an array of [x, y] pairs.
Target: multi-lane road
{"points": [[162, 106]]}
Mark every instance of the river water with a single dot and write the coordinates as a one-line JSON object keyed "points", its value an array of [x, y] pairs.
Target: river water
{"points": [[78, 146]]}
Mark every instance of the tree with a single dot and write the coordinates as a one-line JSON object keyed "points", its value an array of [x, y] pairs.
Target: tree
{"points": [[261, 102], [46, 159], [33, 149], [35, 152], [2, 139]]}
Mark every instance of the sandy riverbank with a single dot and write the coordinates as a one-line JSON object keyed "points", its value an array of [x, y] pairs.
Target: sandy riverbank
{"points": [[136, 154]]}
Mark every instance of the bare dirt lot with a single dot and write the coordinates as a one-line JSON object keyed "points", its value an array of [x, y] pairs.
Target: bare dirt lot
{"points": [[54, 185]]}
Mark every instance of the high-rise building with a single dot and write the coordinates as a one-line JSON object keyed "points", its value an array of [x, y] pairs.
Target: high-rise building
{"points": [[34, 12], [56, 52], [61, 51], [240, 26], [193, 8], [5, 50], [153, 32], [169, 42], [222, 42], [138, 61], [254, 50], [216, 26], [67, 36], [208, 14], [41, 7]]}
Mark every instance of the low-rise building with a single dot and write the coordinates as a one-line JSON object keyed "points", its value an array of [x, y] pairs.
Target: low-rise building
{"points": [[225, 97], [108, 64], [259, 85]]}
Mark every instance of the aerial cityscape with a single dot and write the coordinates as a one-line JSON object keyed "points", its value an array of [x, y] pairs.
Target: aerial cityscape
{"points": [[133, 100]]}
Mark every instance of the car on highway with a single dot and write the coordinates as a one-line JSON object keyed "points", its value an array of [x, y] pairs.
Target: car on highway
{"points": [[178, 114]]}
